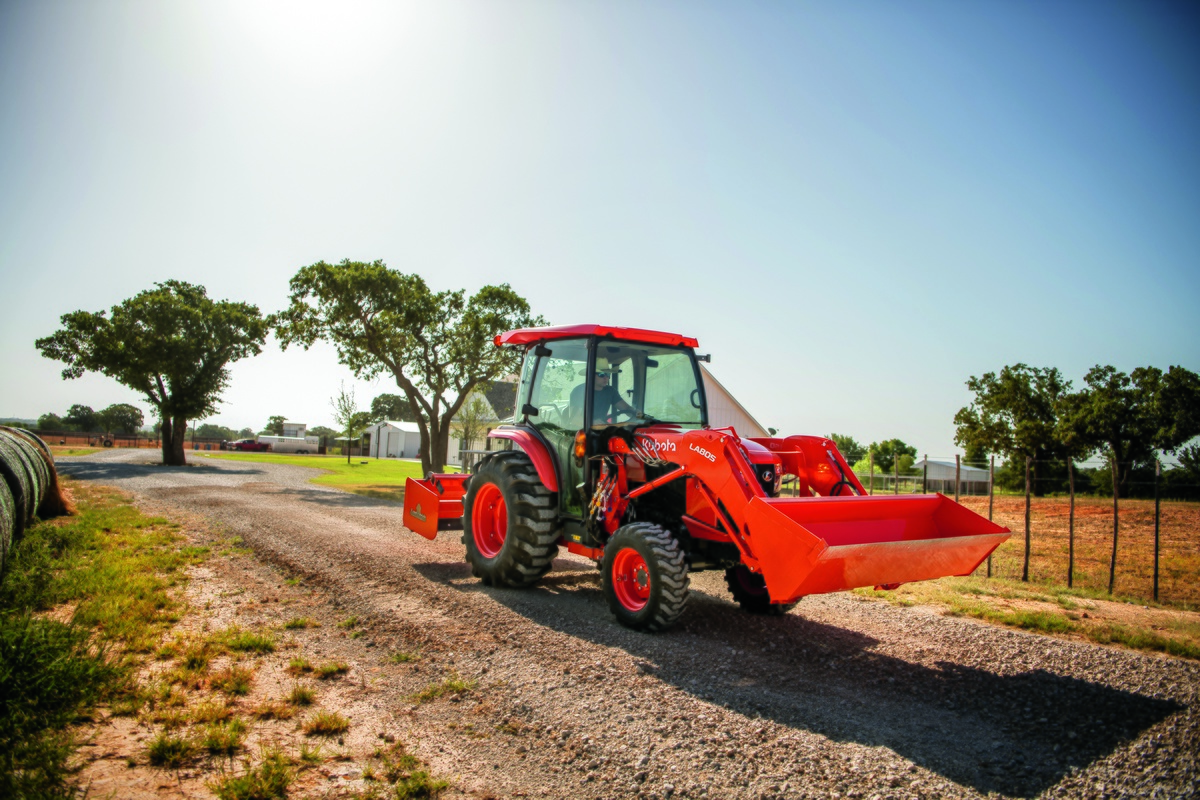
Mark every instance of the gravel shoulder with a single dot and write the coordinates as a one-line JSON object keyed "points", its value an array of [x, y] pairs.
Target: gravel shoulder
{"points": [[841, 698]]}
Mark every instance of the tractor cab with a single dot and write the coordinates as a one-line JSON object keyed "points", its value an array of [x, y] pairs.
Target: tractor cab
{"points": [[580, 389]]}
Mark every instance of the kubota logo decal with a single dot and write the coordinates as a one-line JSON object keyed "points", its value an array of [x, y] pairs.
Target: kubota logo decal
{"points": [[703, 452], [416, 512], [660, 446]]}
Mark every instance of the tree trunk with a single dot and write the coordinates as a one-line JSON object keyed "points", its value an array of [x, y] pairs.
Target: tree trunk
{"points": [[173, 453], [165, 431]]}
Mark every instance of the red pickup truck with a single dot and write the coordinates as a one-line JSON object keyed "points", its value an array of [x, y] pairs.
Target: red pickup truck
{"points": [[249, 445]]}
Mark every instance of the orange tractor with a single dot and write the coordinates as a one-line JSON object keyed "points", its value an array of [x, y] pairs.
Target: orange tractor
{"points": [[610, 454]]}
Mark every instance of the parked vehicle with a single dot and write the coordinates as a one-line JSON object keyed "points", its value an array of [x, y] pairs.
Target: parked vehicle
{"points": [[249, 445], [616, 462], [300, 445]]}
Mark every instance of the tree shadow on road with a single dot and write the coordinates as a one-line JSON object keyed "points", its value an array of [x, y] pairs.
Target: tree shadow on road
{"points": [[1017, 733]]}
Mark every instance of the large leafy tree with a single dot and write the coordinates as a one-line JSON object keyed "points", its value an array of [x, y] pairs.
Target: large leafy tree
{"points": [[121, 418], [82, 418], [887, 451], [171, 343], [437, 346], [850, 449], [391, 406], [1015, 413], [1133, 416]]}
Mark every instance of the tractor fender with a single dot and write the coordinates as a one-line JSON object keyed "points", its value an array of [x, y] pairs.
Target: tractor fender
{"points": [[537, 451]]}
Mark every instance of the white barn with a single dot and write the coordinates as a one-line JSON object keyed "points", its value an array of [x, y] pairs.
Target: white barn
{"points": [[398, 439], [940, 477], [725, 411]]}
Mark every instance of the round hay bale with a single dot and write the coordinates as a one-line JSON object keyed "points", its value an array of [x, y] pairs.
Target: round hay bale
{"points": [[18, 451], [8, 513], [16, 480], [54, 501]]}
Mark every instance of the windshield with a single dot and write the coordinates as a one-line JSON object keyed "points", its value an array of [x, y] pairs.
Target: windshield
{"points": [[651, 382]]}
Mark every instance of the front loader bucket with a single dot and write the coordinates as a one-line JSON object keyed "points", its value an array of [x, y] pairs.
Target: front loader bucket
{"points": [[813, 545], [433, 503]]}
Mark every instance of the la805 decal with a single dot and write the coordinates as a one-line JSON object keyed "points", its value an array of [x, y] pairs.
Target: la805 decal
{"points": [[703, 452]]}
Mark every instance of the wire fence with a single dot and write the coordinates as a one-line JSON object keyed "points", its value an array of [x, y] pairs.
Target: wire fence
{"points": [[1068, 524]]}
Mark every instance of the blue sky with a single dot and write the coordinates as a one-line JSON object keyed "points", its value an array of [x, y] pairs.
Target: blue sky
{"points": [[854, 206]]}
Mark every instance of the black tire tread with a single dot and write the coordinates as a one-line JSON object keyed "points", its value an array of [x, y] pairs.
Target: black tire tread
{"points": [[531, 543], [671, 574], [753, 603]]}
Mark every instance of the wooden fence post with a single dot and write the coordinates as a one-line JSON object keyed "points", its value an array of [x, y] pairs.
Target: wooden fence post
{"points": [[1112, 565], [871, 473], [957, 474], [895, 473], [1071, 525], [991, 501], [1157, 511], [1025, 570]]}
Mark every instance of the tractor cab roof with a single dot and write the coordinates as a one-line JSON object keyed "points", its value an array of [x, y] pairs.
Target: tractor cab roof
{"points": [[523, 336]]}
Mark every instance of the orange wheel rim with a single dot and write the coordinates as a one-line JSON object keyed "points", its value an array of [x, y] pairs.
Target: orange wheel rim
{"points": [[631, 579], [489, 520]]}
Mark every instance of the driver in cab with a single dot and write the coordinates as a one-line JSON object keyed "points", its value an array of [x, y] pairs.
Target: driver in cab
{"points": [[606, 401]]}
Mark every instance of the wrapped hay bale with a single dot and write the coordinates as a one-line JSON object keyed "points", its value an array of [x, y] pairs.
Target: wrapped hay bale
{"points": [[31, 485]]}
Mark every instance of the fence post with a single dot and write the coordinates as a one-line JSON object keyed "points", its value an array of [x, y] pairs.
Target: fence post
{"points": [[991, 501], [1025, 569], [1112, 565], [1157, 476], [1071, 525], [871, 473], [895, 473], [957, 474], [925, 476]]}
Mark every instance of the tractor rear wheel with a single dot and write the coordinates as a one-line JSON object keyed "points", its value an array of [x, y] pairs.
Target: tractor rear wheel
{"points": [[509, 522], [750, 591], [645, 577]]}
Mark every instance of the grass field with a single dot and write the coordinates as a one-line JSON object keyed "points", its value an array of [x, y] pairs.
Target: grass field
{"points": [[67, 450], [382, 478]]}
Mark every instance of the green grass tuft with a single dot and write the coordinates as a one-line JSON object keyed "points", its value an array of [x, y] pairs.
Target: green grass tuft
{"points": [[224, 738], [301, 695], [300, 622], [325, 723], [233, 681], [449, 685], [267, 781], [241, 641], [167, 750], [331, 669]]}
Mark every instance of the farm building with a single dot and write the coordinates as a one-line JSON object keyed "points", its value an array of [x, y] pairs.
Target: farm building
{"points": [[940, 477], [398, 439], [724, 410]]}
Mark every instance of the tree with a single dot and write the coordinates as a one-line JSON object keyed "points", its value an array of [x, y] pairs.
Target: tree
{"points": [[1014, 414], [323, 432], [1133, 416], [245, 433], [172, 343], [472, 418], [886, 453], [211, 430], [51, 422], [391, 406], [1189, 459], [346, 414], [851, 450], [121, 418], [436, 345], [82, 418], [274, 426]]}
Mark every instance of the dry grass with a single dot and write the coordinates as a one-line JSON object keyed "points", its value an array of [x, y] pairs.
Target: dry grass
{"points": [[1179, 554]]}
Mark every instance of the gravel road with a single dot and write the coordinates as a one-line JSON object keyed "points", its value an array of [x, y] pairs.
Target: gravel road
{"points": [[844, 697]]}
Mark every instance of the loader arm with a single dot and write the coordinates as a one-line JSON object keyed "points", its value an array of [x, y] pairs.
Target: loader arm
{"points": [[833, 539]]}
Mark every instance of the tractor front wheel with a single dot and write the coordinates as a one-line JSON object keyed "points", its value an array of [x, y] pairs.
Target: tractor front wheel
{"points": [[645, 577], [750, 591], [509, 522]]}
